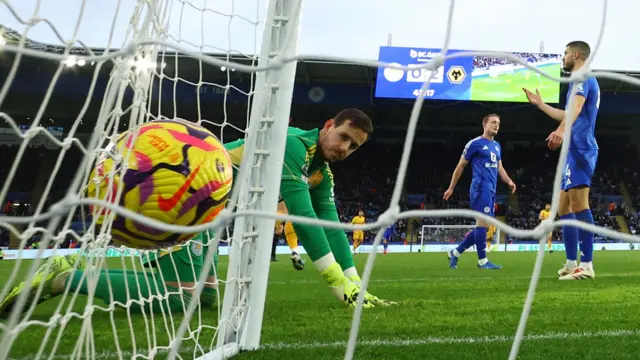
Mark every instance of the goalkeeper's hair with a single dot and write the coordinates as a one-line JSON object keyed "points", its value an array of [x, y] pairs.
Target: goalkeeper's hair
{"points": [[580, 47], [359, 120]]}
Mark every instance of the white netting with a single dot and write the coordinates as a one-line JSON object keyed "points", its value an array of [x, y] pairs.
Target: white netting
{"points": [[108, 119], [155, 64]]}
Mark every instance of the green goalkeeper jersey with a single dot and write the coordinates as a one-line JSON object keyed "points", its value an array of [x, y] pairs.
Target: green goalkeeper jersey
{"points": [[306, 187], [307, 183]]}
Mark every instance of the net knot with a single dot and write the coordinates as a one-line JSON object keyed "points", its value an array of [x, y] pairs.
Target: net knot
{"points": [[224, 217], [545, 227], [388, 218], [435, 63]]}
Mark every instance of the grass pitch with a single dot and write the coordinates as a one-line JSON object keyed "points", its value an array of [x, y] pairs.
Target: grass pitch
{"points": [[444, 314], [508, 87]]}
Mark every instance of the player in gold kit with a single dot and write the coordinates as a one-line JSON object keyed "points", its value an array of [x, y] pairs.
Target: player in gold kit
{"points": [[491, 231], [358, 235], [544, 215], [291, 238]]}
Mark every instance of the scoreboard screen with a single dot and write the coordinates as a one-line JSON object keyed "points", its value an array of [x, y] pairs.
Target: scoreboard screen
{"points": [[474, 78]]}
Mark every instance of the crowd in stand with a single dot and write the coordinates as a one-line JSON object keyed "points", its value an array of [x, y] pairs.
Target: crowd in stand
{"points": [[488, 61], [365, 181]]}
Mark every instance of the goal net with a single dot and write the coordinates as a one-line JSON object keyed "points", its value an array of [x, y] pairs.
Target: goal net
{"points": [[442, 237], [143, 74], [121, 302]]}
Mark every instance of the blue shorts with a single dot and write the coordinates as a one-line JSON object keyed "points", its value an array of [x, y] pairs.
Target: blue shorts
{"points": [[483, 200], [579, 169]]}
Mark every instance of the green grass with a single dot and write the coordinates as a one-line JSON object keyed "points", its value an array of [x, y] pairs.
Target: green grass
{"points": [[508, 87], [444, 314]]}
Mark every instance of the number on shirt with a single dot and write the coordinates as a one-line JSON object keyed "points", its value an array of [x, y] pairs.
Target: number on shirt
{"points": [[493, 157], [567, 171]]}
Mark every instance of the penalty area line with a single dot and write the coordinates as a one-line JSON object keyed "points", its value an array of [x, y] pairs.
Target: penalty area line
{"points": [[454, 340]]}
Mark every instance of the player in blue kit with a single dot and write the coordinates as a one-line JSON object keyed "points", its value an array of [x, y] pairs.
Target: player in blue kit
{"points": [[484, 154], [386, 237], [581, 160]]}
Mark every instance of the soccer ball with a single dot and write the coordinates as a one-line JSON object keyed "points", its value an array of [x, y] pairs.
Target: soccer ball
{"points": [[173, 171]]}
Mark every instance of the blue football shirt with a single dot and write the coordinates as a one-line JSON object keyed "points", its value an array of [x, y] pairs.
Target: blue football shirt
{"points": [[583, 129], [484, 155]]}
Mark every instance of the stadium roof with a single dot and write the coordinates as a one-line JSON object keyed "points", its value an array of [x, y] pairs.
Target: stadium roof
{"points": [[308, 71]]}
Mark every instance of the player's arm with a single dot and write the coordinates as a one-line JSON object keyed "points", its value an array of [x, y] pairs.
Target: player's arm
{"points": [[536, 99], [294, 190], [554, 113], [325, 208], [582, 89], [578, 104], [505, 177], [457, 172]]}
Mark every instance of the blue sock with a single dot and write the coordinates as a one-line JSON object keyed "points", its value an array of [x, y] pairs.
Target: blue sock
{"points": [[570, 236], [585, 237], [481, 242], [468, 241]]}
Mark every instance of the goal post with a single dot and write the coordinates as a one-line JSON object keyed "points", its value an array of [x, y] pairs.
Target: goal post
{"points": [[241, 321], [439, 235], [133, 95]]}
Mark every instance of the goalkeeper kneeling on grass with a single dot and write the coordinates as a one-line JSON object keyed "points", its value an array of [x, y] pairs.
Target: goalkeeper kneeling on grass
{"points": [[178, 268], [307, 190]]}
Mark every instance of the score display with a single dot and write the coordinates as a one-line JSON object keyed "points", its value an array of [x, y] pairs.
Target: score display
{"points": [[466, 78]]}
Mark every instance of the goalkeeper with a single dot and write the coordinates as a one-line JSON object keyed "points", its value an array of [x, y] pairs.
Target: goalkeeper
{"points": [[307, 190], [176, 272]]}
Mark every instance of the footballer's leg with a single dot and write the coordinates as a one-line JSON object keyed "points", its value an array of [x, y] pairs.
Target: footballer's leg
{"points": [[466, 243], [181, 269], [550, 243], [580, 174], [114, 285], [565, 212], [292, 241], [52, 274], [385, 245], [357, 240], [487, 199]]}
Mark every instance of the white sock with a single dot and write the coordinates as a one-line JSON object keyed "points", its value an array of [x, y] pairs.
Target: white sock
{"points": [[571, 264], [456, 253], [483, 261], [587, 265], [351, 272], [324, 262]]}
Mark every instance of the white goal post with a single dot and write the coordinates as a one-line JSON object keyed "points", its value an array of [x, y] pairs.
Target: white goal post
{"points": [[451, 234], [150, 45]]}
